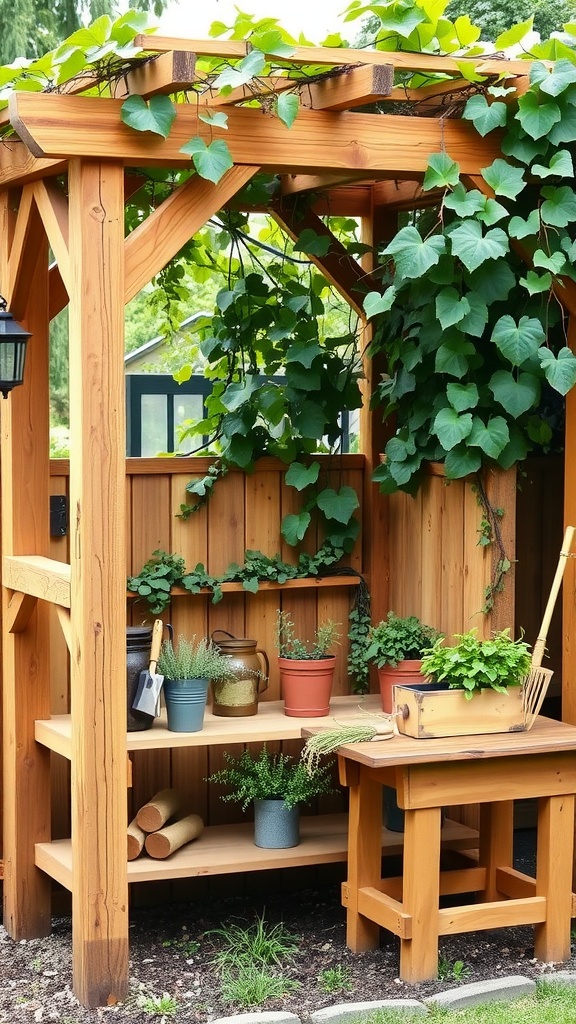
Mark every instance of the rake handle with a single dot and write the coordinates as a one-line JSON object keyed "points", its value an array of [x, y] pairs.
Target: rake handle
{"points": [[540, 645]]}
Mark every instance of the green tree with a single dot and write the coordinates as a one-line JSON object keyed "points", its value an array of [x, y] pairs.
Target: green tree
{"points": [[30, 29], [495, 17]]}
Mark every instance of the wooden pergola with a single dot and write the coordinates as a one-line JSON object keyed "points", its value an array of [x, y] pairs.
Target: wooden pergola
{"points": [[65, 174]]}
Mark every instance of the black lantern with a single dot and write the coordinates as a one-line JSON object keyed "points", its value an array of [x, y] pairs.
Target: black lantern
{"points": [[13, 341]]}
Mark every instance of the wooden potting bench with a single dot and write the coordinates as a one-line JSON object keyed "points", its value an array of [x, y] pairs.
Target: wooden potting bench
{"points": [[428, 774]]}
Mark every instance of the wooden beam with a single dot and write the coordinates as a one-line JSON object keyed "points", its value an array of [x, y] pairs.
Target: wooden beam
{"points": [[64, 619], [17, 165], [154, 242], [170, 72], [98, 582], [337, 266], [339, 56], [38, 576], [292, 184], [317, 141], [403, 195], [29, 236], [57, 293], [53, 207], [19, 612], [354, 88], [569, 582], [26, 655], [270, 85]]}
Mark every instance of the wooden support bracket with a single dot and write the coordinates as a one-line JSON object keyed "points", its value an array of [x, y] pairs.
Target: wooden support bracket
{"points": [[64, 620], [20, 608]]}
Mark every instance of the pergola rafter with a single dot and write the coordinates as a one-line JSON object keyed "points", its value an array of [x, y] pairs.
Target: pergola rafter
{"points": [[368, 165]]}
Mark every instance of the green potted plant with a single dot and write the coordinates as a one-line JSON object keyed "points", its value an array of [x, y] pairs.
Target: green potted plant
{"points": [[188, 666], [396, 646], [277, 785], [306, 668], [476, 687]]}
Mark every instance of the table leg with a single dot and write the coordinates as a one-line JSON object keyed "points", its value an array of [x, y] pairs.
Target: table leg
{"points": [[421, 894], [554, 876], [496, 843], [364, 856]]}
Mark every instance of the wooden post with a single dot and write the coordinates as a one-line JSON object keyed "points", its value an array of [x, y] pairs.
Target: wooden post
{"points": [[98, 583], [26, 655]]}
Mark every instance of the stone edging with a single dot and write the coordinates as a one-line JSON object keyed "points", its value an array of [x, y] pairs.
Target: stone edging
{"points": [[478, 992]]}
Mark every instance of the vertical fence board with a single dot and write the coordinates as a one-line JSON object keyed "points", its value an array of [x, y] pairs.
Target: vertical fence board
{"points": [[432, 529]]}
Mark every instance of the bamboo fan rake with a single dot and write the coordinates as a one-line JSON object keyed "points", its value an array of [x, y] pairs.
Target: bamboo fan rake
{"points": [[538, 679]]}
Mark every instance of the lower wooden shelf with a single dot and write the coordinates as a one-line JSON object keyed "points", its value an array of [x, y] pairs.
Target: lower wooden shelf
{"points": [[225, 849]]}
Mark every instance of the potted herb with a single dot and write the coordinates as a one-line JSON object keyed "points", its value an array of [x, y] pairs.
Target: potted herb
{"points": [[476, 687], [396, 646], [188, 666], [277, 785], [306, 668]]}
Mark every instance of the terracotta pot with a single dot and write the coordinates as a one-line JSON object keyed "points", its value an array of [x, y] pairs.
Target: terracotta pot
{"points": [[405, 672], [306, 686]]}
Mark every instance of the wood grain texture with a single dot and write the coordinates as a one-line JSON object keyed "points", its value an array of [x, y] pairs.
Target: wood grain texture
{"points": [[24, 420], [98, 661], [68, 126], [158, 238]]}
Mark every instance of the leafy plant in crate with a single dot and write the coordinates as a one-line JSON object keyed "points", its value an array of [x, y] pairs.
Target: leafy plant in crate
{"points": [[476, 688], [188, 666], [396, 646], [277, 785], [306, 667]]}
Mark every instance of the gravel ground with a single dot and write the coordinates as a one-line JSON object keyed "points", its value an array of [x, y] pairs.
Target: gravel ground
{"points": [[172, 951]]}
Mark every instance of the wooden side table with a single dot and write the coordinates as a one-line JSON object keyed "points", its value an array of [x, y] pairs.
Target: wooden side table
{"points": [[428, 774]]}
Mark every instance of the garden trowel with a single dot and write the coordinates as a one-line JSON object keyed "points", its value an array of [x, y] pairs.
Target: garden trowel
{"points": [[147, 697]]}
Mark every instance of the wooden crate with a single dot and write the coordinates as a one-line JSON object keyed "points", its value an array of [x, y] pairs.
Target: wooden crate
{"points": [[429, 711]]}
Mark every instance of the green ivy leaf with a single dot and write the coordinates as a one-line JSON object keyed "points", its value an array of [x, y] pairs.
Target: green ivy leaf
{"points": [[473, 249], [519, 145], [493, 281], [452, 357], [514, 35], [461, 461], [248, 68], [215, 118], [464, 203], [560, 370], [560, 165], [313, 244], [294, 527], [492, 437], [398, 449], [555, 80], [305, 354], [559, 208], [451, 308], [505, 179], [515, 396], [287, 106], [555, 262], [414, 255], [271, 42], [156, 115], [536, 118], [240, 451], [300, 476], [251, 584], [462, 396], [441, 172], [485, 116], [492, 212], [516, 450], [520, 228], [375, 303], [338, 505], [518, 341], [451, 428], [536, 283], [310, 420], [211, 162], [565, 129], [475, 321]]}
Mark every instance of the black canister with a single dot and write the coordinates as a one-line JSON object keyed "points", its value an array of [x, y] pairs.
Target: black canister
{"points": [[138, 644]]}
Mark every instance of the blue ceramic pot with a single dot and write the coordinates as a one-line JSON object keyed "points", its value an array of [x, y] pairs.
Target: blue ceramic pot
{"points": [[185, 703], [276, 826]]}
